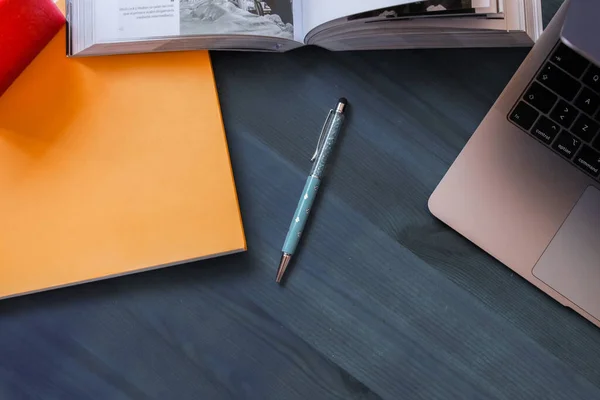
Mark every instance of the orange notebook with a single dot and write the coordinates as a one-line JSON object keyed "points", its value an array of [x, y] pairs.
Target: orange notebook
{"points": [[110, 166]]}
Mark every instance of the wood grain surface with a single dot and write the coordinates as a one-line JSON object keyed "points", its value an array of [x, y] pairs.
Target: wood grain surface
{"points": [[383, 301]]}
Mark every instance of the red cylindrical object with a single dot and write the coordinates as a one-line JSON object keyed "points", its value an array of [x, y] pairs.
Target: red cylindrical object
{"points": [[26, 27]]}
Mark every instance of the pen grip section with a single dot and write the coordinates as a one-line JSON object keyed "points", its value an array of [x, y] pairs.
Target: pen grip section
{"points": [[331, 137], [301, 215]]}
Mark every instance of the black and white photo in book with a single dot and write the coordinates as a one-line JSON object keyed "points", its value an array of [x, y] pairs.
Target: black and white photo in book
{"points": [[427, 7], [244, 17]]}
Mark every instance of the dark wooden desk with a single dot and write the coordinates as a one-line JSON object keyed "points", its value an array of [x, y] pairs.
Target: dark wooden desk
{"points": [[383, 300]]}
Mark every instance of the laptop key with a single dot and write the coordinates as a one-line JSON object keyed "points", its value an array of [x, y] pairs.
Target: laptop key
{"points": [[545, 130], [588, 160], [567, 144], [587, 101], [540, 97], [564, 113], [585, 128], [559, 81], [524, 115], [592, 78], [569, 60]]}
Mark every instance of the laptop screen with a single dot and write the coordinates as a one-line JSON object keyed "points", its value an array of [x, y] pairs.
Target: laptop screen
{"points": [[581, 30]]}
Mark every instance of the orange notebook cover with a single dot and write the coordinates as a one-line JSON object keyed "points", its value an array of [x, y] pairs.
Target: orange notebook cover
{"points": [[110, 166]]}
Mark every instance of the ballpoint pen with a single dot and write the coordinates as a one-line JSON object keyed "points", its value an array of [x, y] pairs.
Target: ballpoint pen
{"points": [[327, 138]]}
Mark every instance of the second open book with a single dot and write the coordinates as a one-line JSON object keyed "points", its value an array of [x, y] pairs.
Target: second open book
{"points": [[100, 27]]}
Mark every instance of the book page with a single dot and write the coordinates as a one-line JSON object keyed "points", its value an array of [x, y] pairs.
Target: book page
{"points": [[317, 12], [116, 20], [124, 20]]}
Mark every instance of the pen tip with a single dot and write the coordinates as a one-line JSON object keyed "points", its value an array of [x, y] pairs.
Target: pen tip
{"points": [[285, 261], [279, 276], [344, 101]]}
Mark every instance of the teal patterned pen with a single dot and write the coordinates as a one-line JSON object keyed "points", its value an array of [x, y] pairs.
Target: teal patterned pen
{"points": [[329, 134]]}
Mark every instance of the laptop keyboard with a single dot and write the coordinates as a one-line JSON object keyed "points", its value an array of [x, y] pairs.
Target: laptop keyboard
{"points": [[561, 108]]}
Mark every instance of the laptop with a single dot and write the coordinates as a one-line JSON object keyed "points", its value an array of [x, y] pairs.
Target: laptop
{"points": [[526, 188]]}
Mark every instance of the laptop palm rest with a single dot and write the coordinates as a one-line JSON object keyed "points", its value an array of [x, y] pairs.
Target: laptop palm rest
{"points": [[571, 263]]}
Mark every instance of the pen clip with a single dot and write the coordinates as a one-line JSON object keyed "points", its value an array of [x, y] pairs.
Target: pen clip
{"points": [[322, 136]]}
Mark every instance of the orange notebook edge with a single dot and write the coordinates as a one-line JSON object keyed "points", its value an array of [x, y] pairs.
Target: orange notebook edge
{"points": [[137, 271]]}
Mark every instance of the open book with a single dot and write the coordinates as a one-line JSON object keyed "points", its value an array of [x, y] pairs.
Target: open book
{"points": [[99, 27]]}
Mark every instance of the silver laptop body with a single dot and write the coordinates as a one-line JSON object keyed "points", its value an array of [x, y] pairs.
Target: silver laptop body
{"points": [[526, 187]]}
